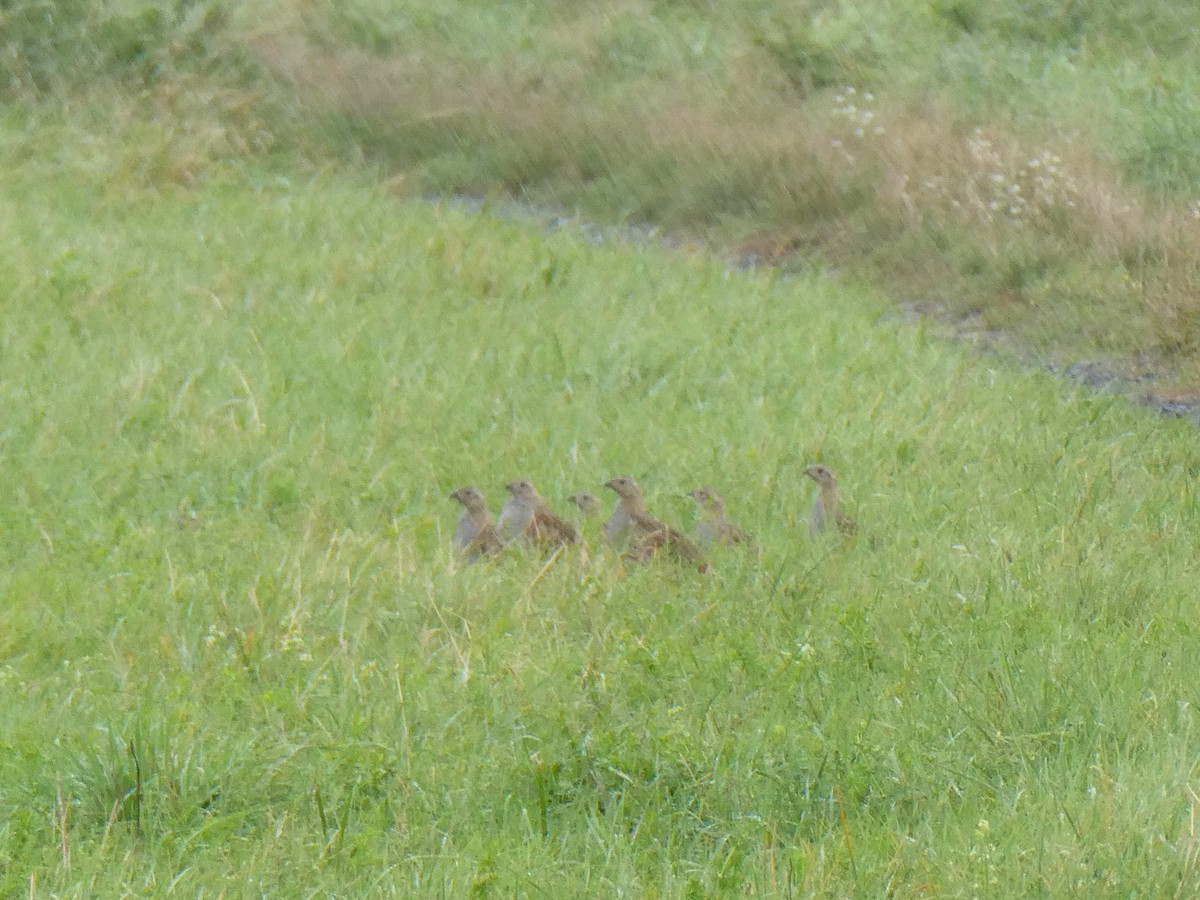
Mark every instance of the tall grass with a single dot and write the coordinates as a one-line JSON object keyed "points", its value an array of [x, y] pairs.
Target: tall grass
{"points": [[239, 380], [239, 656], [49, 49], [718, 123], [727, 123]]}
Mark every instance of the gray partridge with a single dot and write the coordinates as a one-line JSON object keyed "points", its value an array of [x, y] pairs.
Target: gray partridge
{"points": [[648, 533], [475, 536], [827, 505], [617, 528], [714, 526], [588, 504], [526, 516]]}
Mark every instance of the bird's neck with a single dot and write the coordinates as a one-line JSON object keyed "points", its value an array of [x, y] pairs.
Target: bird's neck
{"points": [[635, 506]]}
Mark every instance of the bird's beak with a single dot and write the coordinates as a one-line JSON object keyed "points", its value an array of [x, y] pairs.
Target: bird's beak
{"points": [[811, 472]]}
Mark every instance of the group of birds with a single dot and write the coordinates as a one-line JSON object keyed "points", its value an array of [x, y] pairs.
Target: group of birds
{"points": [[526, 518]]}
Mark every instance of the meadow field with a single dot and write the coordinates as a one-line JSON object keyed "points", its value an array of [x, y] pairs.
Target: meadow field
{"points": [[1027, 170], [242, 365]]}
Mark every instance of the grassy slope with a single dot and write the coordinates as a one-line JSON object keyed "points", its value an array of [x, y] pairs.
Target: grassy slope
{"points": [[234, 412], [721, 120]]}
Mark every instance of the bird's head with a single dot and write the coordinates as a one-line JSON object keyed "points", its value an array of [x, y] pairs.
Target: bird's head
{"points": [[822, 475], [708, 499], [522, 489], [468, 495], [585, 501], [625, 487]]}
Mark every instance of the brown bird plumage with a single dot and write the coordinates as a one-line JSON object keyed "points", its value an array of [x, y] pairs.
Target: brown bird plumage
{"points": [[827, 505], [714, 526], [527, 516], [649, 535], [475, 536]]}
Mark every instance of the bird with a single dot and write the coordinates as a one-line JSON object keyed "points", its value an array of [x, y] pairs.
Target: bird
{"points": [[649, 535], [475, 536], [714, 526], [588, 503], [616, 529], [827, 505], [526, 515]]}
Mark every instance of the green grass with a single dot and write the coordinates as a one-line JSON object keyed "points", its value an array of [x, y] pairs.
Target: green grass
{"points": [[724, 121], [238, 656]]}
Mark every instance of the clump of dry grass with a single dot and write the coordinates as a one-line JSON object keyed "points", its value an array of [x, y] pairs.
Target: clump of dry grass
{"points": [[1005, 195]]}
